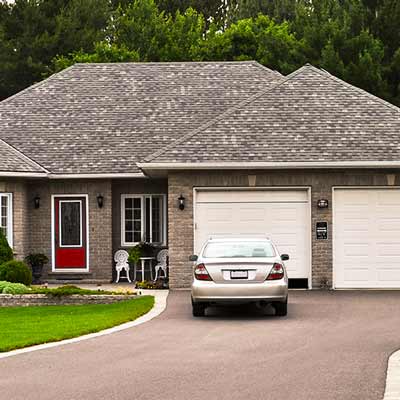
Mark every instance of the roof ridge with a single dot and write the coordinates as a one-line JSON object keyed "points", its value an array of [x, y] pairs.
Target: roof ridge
{"points": [[263, 67], [167, 63], [23, 156], [358, 89], [224, 114], [34, 86]]}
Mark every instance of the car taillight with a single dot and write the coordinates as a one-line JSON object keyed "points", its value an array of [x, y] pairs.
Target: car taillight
{"points": [[201, 273], [276, 272]]}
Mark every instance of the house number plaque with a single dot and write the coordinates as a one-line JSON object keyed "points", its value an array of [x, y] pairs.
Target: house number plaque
{"points": [[322, 230]]}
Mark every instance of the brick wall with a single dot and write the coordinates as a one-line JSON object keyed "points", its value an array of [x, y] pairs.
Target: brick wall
{"points": [[180, 228], [21, 228]]}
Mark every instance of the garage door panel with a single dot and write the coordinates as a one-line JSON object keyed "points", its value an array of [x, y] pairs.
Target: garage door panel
{"points": [[286, 221], [367, 241]]}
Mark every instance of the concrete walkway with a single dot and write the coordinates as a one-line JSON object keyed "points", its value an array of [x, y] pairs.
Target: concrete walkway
{"points": [[332, 345], [392, 391]]}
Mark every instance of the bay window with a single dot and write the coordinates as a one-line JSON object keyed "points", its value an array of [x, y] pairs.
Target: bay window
{"points": [[6, 215], [143, 219]]}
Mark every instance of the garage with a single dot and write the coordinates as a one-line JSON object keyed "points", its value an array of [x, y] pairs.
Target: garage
{"points": [[282, 215], [366, 238]]}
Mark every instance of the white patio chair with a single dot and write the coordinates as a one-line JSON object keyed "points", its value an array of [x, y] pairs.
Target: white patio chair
{"points": [[162, 264], [121, 258]]}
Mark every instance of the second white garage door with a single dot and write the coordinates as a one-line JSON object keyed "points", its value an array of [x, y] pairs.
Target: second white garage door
{"points": [[367, 238], [282, 215]]}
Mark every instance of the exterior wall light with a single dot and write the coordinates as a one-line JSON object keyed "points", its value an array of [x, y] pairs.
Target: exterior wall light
{"points": [[36, 202], [181, 200], [322, 203], [100, 200]]}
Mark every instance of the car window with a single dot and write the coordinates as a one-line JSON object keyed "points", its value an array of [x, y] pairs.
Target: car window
{"points": [[238, 249]]}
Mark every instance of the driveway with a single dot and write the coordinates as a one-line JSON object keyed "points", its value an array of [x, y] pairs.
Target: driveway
{"points": [[332, 345]]}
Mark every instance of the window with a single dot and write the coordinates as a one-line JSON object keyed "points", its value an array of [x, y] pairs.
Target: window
{"points": [[238, 250], [6, 215], [143, 219], [70, 223]]}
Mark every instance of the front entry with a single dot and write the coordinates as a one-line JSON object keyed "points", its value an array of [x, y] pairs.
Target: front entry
{"points": [[70, 241]]}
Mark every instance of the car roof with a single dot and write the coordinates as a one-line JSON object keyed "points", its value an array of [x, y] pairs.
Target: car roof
{"points": [[239, 238]]}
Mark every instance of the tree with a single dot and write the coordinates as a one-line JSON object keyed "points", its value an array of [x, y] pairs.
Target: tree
{"points": [[32, 33], [261, 39]]}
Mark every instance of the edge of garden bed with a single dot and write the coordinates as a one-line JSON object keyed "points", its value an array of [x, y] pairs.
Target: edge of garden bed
{"points": [[26, 300]]}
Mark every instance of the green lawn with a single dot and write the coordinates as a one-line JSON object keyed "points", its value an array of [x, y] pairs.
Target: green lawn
{"points": [[26, 326]]}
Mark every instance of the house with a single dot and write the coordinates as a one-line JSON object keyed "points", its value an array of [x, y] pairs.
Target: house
{"points": [[99, 157]]}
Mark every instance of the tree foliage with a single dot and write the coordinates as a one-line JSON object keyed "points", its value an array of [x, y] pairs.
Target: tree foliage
{"points": [[356, 40]]}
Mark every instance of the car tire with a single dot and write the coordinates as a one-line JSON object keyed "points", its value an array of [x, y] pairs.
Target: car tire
{"points": [[281, 309], [198, 309]]}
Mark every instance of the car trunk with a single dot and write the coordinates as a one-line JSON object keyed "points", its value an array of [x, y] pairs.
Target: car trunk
{"points": [[238, 270]]}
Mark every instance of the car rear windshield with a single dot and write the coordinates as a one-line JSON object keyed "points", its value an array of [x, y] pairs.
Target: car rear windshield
{"points": [[238, 249]]}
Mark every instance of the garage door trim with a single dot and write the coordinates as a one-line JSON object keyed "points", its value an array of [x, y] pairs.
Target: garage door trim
{"points": [[197, 189], [393, 187]]}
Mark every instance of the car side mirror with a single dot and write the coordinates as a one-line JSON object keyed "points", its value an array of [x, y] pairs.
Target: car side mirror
{"points": [[285, 257], [193, 257]]}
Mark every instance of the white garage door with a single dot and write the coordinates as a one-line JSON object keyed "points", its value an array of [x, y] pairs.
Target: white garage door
{"points": [[367, 238], [282, 215]]}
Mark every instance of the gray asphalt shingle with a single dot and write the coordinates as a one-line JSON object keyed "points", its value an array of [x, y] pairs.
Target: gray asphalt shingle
{"points": [[104, 118], [310, 116], [13, 161]]}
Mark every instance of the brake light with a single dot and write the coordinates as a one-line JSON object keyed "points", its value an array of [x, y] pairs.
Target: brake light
{"points": [[276, 272], [201, 273]]}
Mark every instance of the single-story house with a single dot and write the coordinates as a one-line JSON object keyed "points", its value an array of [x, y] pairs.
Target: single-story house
{"points": [[99, 157]]}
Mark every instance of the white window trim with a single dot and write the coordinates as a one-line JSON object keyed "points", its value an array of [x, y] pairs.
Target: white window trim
{"points": [[142, 198], [53, 248], [10, 234], [80, 223]]}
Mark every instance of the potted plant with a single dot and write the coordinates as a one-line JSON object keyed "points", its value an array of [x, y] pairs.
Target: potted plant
{"points": [[36, 262]]}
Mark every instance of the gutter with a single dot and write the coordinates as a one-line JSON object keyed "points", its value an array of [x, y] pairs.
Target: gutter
{"points": [[269, 165]]}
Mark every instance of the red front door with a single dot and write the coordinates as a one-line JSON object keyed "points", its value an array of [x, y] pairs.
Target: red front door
{"points": [[70, 233]]}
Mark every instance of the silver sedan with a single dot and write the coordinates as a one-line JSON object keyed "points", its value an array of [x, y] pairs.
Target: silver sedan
{"points": [[239, 270]]}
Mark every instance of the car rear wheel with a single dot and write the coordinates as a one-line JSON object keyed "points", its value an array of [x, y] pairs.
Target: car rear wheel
{"points": [[198, 309], [281, 309]]}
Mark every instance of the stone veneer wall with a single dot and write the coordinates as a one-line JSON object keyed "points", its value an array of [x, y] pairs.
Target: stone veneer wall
{"points": [[12, 300], [180, 227]]}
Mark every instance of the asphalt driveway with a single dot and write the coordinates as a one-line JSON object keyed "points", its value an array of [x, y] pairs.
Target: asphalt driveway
{"points": [[332, 345]]}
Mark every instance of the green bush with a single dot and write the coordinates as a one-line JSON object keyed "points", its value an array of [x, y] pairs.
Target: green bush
{"points": [[16, 272], [15, 288], [6, 253], [3, 284]]}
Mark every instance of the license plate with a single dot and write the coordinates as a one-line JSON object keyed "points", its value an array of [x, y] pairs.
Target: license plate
{"points": [[239, 274]]}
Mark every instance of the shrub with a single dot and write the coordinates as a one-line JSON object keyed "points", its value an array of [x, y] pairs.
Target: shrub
{"points": [[15, 288], [6, 253], [16, 271], [3, 284]]}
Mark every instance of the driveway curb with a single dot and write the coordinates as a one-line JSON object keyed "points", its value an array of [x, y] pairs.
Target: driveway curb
{"points": [[392, 391], [160, 303]]}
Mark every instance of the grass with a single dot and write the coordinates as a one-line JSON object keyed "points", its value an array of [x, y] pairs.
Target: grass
{"points": [[27, 326]]}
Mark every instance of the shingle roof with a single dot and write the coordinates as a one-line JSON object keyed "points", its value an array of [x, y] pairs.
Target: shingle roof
{"points": [[103, 118], [12, 160], [309, 116]]}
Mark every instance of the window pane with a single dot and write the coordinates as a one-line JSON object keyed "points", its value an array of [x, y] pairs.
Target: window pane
{"points": [[4, 214], [238, 249], [133, 220], [70, 221], [147, 220], [128, 237], [156, 225]]}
